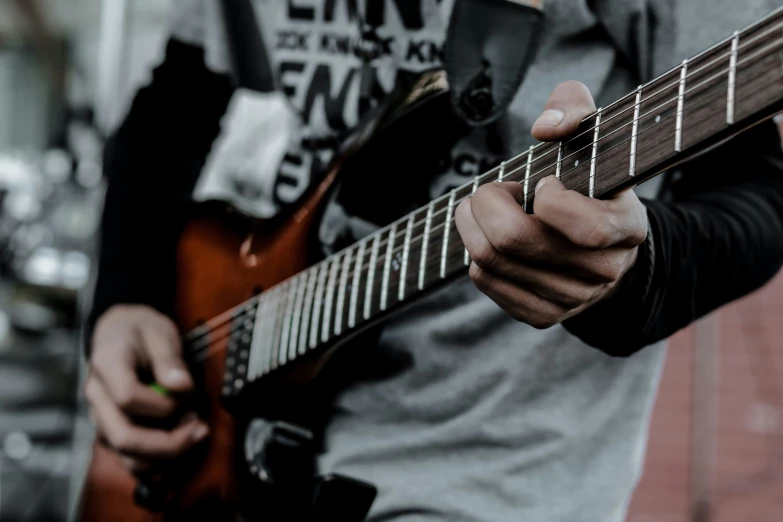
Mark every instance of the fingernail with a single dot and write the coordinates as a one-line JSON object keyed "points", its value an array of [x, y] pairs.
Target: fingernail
{"points": [[199, 432], [176, 377], [540, 184], [550, 118]]}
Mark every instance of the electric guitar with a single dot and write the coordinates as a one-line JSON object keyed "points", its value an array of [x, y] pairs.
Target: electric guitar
{"points": [[262, 315]]}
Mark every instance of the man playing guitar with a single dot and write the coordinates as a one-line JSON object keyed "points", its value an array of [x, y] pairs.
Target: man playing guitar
{"points": [[520, 393]]}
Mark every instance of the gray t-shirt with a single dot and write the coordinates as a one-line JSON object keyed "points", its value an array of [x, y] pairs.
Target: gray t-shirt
{"points": [[470, 415]]}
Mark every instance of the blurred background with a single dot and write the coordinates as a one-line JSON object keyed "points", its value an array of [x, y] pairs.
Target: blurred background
{"points": [[68, 69]]}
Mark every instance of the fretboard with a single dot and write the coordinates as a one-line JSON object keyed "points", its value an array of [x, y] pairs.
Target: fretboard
{"points": [[708, 98]]}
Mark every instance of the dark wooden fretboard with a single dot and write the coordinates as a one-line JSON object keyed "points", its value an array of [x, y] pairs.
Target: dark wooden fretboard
{"points": [[722, 91]]}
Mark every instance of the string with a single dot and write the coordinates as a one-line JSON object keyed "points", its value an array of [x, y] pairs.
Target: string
{"points": [[214, 323]]}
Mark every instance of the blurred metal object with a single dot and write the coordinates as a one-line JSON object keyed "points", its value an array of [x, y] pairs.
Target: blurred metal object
{"points": [[111, 64], [17, 445]]}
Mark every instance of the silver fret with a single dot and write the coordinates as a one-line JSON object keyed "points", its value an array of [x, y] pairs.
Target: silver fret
{"points": [[425, 243], [268, 327], [595, 152], [680, 108], [280, 320], [270, 362], [282, 353], [475, 186], [295, 321], [323, 271], [732, 79], [406, 245], [325, 330], [502, 171], [559, 159], [312, 277], [357, 275], [253, 366], [527, 174], [338, 316], [444, 251], [387, 265], [635, 132], [371, 275]]}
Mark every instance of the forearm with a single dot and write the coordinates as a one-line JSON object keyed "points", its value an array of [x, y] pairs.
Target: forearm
{"points": [[719, 238], [151, 164]]}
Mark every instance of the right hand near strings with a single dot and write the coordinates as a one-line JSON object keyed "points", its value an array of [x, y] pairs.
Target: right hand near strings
{"points": [[129, 339]]}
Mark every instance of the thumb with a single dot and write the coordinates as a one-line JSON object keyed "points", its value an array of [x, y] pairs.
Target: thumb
{"points": [[165, 354], [567, 106]]}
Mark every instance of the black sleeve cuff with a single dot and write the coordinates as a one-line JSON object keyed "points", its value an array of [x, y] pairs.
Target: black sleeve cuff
{"points": [[617, 325]]}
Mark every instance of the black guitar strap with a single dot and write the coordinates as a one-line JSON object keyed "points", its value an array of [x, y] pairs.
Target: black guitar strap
{"points": [[252, 69], [489, 46]]}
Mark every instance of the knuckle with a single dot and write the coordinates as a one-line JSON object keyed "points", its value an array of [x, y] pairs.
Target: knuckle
{"points": [[124, 398], [478, 276], [601, 233], [121, 439], [509, 238], [610, 269], [542, 321], [484, 254]]}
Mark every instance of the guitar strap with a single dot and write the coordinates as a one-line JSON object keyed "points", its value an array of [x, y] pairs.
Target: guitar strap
{"points": [[489, 46], [249, 57]]}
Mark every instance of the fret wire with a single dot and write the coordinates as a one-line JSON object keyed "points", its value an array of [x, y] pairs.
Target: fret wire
{"points": [[473, 191], [202, 328], [732, 78], [312, 277], [325, 328], [680, 107], [371, 275], [425, 245], [635, 131], [255, 342], [446, 230], [282, 354], [559, 159], [406, 245], [527, 174], [295, 321], [501, 171], [595, 152], [355, 285], [387, 265], [268, 328], [280, 309], [318, 302], [338, 316]]}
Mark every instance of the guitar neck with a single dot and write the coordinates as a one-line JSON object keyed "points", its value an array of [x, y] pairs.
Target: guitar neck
{"points": [[708, 98]]}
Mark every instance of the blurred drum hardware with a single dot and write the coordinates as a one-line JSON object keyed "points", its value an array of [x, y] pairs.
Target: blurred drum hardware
{"points": [[262, 317], [48, 215]]}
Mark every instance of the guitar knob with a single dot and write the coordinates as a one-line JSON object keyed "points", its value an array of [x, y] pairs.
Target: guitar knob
{"points": [[278, 452], [150, 496]]}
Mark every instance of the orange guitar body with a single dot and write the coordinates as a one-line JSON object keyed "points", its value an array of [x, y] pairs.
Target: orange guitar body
{"points": [[218, 267]]}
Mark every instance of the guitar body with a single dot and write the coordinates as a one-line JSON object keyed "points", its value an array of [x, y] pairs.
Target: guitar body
{"points": [[223, 260]]}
